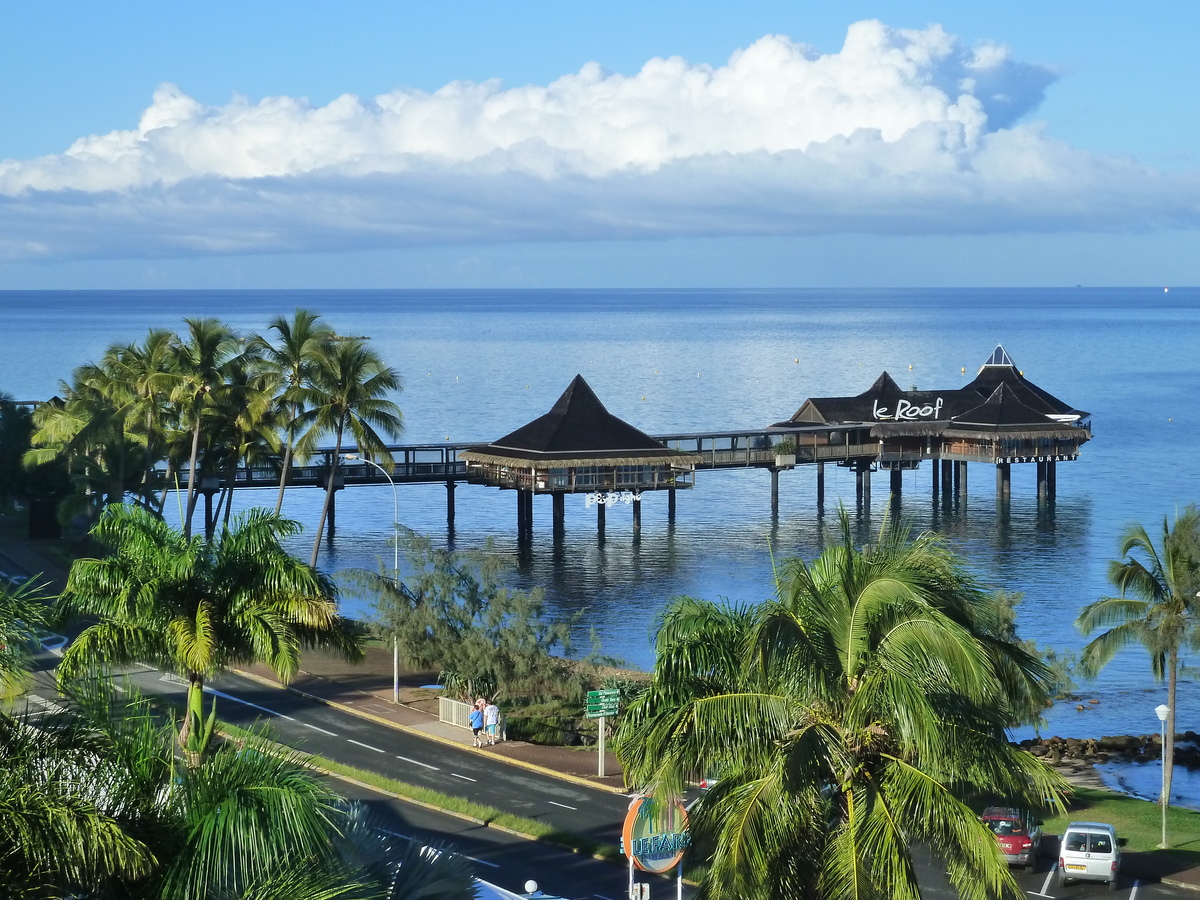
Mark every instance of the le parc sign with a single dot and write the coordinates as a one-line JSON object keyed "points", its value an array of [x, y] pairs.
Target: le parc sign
{"points": [[655, 834], [907, 412]]}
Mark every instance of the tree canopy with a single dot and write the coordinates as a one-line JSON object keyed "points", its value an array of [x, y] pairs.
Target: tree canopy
{"points": [[855, 715]]}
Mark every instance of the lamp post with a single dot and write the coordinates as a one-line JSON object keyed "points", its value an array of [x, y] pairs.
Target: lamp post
{"points": [[1162, 711], [395, 565]]}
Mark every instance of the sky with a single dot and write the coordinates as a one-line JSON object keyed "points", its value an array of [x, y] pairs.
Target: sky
{"points": [[619, 144]]}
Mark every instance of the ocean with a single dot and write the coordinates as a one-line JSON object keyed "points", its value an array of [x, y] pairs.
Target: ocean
{"points": [[477, 364]]}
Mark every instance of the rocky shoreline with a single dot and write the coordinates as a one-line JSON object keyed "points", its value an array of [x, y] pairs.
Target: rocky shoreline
{"points": [[1119, 748]]}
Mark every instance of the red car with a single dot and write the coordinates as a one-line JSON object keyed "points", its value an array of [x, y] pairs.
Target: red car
{"points": [[1018, 833]]}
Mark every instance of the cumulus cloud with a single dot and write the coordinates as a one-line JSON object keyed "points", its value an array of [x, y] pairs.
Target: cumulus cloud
{"points": [[899, 131]]}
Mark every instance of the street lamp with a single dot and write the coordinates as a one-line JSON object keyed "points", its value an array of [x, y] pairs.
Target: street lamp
{"points": [[1162, 711], [395, 565]]}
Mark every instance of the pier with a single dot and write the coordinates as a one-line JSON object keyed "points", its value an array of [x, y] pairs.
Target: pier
{"points": [[999, 419]]}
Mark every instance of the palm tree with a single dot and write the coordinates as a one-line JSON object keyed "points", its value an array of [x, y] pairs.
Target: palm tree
{"points": [[858, 713], [203, 365], [301, 343], [1157, 609], [347, 390], [196, 607], [92, 804], [59, 837], [22, 614]]}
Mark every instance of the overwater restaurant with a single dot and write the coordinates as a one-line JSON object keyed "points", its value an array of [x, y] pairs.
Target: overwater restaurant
{"points": [[578, 447], [1000, 417]]}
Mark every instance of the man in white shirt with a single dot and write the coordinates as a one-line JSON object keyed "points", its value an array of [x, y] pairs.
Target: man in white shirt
{"points": [[491, 721]]}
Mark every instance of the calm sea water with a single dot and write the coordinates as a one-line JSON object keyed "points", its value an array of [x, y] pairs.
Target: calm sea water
{"points": [[478, 364]]}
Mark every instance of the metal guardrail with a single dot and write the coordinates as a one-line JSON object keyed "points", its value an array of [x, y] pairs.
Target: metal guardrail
{"points": [[455, 712]]}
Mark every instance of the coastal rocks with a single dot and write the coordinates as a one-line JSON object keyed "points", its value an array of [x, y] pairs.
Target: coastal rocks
{"points": [[1126, 747]]}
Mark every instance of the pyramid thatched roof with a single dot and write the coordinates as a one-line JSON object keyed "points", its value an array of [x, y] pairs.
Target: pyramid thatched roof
{"points": [[577, 431]]}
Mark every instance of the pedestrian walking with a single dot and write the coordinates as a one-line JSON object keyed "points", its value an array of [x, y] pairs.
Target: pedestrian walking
{"points": [[476, 720], [491, 721]]}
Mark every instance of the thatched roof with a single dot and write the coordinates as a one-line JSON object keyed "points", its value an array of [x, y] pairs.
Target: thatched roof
{"points": [[893, 411], [1006, 414], [1000, 369], [577, 431]]}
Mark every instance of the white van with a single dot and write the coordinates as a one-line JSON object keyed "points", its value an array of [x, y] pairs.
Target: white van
{"points": [[1089, 851]]}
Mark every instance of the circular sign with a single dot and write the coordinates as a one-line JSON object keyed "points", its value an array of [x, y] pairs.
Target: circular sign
{"points": [[655, 834]]}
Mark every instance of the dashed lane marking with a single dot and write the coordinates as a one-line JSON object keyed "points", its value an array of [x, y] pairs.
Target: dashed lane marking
{"points": [[417, 762], [463, 777], [563, 805], [361, 744], [322, 730], [217, 693]]}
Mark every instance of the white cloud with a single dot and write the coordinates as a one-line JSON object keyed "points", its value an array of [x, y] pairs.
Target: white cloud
{"points": [[901, 131]]}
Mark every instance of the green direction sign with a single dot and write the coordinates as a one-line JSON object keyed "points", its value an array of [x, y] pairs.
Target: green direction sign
{"points": [[602, 703]]}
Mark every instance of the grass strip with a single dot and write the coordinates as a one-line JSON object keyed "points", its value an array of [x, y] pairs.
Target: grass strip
{"points": [[1138, 821], [488, 815]]}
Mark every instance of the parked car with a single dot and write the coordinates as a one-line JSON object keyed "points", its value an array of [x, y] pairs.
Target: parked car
{"points": [[1089, 851], [1018, 832]]}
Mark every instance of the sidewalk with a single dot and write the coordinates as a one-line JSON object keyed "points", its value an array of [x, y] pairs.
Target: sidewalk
{"points": [[366, 690]]}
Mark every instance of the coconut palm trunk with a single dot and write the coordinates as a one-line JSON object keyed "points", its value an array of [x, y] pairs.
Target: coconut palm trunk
{"points": [[330, 487], [283, 472]]}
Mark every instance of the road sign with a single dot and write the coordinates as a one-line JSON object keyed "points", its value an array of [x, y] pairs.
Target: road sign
{"points": [[603, 703]]}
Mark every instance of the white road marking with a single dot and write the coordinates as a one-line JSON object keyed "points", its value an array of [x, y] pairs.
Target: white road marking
{"points": [[143, 666], [417, 762], [1133, 893], [55, 643], [315, 728], [463, 777], [1046, 883], [361, 744], [48, 704], [116, 687], [563, 805], [217, 693], [171, 678]]}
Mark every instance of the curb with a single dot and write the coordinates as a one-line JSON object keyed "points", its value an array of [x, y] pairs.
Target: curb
{"points": [[379, 720]]}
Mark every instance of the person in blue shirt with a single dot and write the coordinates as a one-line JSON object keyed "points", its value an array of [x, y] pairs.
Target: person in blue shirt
{"points": [[476, 720]]}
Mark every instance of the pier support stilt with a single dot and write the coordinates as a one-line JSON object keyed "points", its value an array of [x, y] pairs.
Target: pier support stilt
{"points": [[774, 492], [962, 480], [671, 506], [637, 516], [450, 505], [933, 466], [1052, 478], [520, 514], [895, 482], [820, 486], [600, 519], [559, 509], [947, 479], [862, 483], [1003, 481], [1042, 482]]}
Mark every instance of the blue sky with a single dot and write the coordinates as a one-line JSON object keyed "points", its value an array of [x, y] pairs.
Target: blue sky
{"points": [[376, 144]]}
